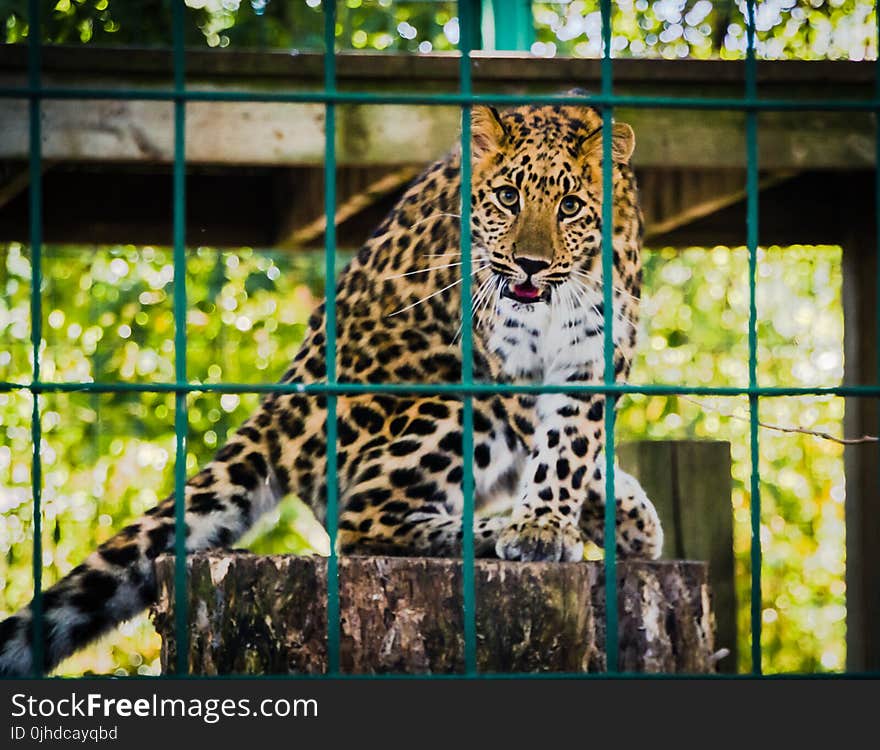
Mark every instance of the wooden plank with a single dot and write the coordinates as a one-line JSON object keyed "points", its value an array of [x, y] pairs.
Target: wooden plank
{"points": [[690, 484], [293, 135]]}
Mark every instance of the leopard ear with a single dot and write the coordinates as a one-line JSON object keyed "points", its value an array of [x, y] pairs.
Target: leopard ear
{"points": [[488, 133], [623, 143]]}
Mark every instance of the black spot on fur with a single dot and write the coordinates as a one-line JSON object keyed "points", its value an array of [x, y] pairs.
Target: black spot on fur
{"points": [[204, 503], [424, 491], [250, 433], [403, 447], [367, 418], [96, 587], [243, 475], [228, 451], [562, 468], [579, 447], [420, 427], [433, 409], [405, 477], [481, 422], [159, 538], [291, 425], [524, 425], [120, 555], [540, 473], [451, 442], [435, 461], [397, 425], [481, 455], [347, 435], [257, 461], [370, 472]]}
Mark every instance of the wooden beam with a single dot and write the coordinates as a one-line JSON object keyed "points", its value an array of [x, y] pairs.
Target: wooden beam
{"points": [[676, 198], [350, 207], [861, 417], [409, 71], [798, 211], [395, 135], [16, 179]]}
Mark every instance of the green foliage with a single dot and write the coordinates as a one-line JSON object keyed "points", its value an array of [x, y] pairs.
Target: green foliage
{"points": [[107, 458], [417, 25], [805, 29], [695, 332]]}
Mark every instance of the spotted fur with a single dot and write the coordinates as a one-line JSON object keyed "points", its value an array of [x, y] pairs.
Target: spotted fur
{"points": [[538, 318]]}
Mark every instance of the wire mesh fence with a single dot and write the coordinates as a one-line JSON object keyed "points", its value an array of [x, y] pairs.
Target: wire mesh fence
{"points": [[332, 388]]}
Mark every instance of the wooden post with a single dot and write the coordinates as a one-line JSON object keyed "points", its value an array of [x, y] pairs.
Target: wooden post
{"points": [[861, 461], [252, 614], [690, 484]]}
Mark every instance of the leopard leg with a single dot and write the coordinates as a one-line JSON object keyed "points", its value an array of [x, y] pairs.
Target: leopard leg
{"points": [[404, 494], [639, 533], [419, 533], [544, 523]]}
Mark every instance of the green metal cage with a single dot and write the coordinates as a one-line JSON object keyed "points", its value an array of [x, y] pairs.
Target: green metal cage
{"points": [[508, 33]]}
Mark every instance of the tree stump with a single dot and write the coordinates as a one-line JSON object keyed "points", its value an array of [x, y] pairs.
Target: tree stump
{"points": [[254, 614]]}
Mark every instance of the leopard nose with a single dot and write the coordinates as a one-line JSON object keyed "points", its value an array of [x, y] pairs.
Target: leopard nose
{"points": [[531, 265]]}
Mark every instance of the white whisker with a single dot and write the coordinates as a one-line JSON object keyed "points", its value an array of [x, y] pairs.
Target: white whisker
{"points": [[432, 217], [618, 314], [598, 283], [421, 270], [476, 301], [425, 299]]}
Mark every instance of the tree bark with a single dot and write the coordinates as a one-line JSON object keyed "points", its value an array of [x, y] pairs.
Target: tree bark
{"points": [[252, 614]]}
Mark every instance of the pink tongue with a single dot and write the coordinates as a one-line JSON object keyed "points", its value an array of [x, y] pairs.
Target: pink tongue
{"points": [[527, 291]]}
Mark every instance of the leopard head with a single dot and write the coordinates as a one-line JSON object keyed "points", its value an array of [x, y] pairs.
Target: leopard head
{"points": [[537, 201]]}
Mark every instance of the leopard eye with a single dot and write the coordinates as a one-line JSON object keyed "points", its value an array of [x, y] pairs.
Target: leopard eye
{"points": [[570, 205], [508, 196]]}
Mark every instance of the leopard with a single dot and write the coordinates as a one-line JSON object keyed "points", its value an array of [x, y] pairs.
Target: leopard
{"points": [[538, 317]]}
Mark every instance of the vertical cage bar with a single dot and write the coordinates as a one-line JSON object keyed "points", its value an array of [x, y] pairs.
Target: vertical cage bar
{"points": [[752, 243], [611, 639], [876, 219], [330, 333], [180, 406], [466, 22], [877, 187], [36, 234]]}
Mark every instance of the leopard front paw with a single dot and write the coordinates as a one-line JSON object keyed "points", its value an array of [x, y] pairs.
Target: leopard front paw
{"points": [[544, 539]]}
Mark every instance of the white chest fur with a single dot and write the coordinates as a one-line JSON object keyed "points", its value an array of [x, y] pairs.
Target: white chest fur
{"points": [[548, 342]]}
